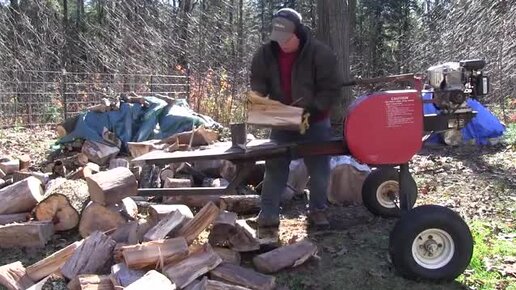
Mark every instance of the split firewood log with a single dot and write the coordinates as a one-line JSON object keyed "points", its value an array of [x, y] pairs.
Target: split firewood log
{"points": [[109, 187], [14, 277], [96, 217], [21, 196], [63, 204]]}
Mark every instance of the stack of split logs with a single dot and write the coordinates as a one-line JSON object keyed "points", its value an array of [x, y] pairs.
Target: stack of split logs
{"points": [[126, 246]]}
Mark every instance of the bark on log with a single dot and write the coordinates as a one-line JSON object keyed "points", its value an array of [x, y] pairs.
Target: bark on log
{"points": [[91, 282], [192, 267], [287, 256], [199, 223], [10, 167], [168, 225], [52, 263], [195, 201], [14, 218], [152, 280], [241, 204], [155, 253], [223, 228], [245, 277], [90, 257], [97, 217], [158, 211], [14, 277], [27, 234], [228, 255], [63, 204], [109, 187], [21, 196], [122, 276]]}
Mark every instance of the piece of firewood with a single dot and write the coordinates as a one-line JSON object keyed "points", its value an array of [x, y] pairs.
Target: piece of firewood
{"points": [[197, 284], [168, 225], [27, 234], [118, 162], [291, 255], [84, 171], [244, 239], [223, 228], [155, 253], [195, 265], [21, 196], [122, 276], [228, 255], [241, 204], [123, 232], [109, 187], [117, 253], [14, 277], [158, 211], [152, 280], [194, 201], [14, 218], [10, 167], [25, 162], [241, 276], [62, 204], [137, 171], [200, 222], [90, 257], [166, 173], [67, 126], [52, 263], [91, 281], [218, 285], [39, 285], [2, 173], [177, 183], [272, 114], [96, 217], [21, 175]]}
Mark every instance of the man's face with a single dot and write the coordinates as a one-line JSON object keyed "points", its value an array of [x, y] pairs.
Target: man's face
{"points": [[283, 32], [291, 45]]}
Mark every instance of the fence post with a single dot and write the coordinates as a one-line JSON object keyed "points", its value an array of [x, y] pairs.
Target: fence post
{"points": [[63, 93]]}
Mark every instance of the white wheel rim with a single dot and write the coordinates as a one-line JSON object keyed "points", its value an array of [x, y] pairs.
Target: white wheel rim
{"points": [[385, 191], [433, 248]]}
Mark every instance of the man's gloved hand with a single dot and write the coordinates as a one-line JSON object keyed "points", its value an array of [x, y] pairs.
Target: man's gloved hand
{"points": [[307, 112]]}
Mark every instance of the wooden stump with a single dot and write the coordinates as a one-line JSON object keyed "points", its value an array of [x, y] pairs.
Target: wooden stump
{"points": [[63, 204], [155, 253], [52, 263], [14, 277], [241, 276], [287, 256], [21, 196], [199, 223], [109, 187], [97, 217], [192, 267], [27, 234], [90, 257]]}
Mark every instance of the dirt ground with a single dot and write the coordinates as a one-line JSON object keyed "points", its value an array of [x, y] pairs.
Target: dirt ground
{"points": [[478, 182]]}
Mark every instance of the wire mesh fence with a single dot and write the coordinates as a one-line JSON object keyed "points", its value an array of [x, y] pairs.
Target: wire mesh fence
{"points": [[45, 97]]}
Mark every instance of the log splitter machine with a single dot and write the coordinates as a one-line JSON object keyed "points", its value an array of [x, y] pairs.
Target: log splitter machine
{"points": [[428, 242]]}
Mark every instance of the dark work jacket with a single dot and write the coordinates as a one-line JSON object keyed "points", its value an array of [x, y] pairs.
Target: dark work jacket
{"points": [[315, 74]]}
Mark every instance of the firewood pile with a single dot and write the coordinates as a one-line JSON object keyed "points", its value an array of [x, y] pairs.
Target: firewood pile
{"points": [[186, 242]]}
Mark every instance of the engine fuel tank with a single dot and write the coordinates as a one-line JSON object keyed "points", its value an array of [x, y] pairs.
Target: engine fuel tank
{"points": [[385, 127]]}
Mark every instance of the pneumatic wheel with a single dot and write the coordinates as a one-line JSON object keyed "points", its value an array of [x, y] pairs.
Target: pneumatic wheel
{"points": [[380, 192], [432, 243]]}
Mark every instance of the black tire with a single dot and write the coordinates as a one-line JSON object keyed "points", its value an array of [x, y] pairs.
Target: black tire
{"points": [[449, 262], [377, 179]]}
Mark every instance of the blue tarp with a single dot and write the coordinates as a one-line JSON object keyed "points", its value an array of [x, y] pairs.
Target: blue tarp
{"points": [[134, 123], [480, 129]]}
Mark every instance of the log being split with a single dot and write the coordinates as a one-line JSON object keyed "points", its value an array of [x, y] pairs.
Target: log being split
{"points": [[199, 223], [155, 253], [109, 187], [21, 196], [13, 276], [168, 225], [90, 257], [52, 263], [97, 217], [195, 265], [63, 204], [245, 277], [27, 234], [152, 280], [287, 256], [91, 281]]}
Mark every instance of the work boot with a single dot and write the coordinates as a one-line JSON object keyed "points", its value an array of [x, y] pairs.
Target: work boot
{"points": [[318, 219]]}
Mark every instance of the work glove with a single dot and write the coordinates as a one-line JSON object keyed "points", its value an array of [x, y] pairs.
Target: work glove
{"points": [[307, 112]]}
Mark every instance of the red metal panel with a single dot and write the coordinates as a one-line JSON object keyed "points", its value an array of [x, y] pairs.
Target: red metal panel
{"points": [[385, 127]]}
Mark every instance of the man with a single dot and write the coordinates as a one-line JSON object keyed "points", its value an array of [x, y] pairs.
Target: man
{"points": [[296, 69]]}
